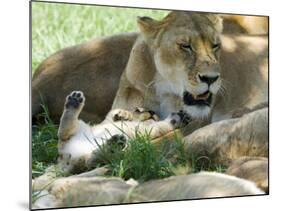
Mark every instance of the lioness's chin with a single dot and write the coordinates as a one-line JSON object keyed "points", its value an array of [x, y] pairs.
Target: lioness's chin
{"points": [[197, 111]]}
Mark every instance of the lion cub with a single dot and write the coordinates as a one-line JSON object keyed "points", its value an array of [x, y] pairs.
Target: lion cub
{"points": [[78, 141]]}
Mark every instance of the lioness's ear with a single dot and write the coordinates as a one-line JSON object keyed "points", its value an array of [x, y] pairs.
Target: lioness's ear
{"points": [[147, 25], [217, 20]]}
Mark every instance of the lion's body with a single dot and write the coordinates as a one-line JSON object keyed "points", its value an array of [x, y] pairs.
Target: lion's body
{"points": [[84, 67], [254, 25], [160, 85], [243, 58], [244, 64], [87, 67], [251, 168], [179, 64], [81, 190], [165, 78]]}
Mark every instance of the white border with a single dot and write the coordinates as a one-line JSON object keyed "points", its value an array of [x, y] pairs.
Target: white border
{"points": [[14, 55]]}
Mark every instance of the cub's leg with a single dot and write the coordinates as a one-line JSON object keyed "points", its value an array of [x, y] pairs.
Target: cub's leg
{"points": [[69, 120], [119, 115], [139, 114], [143, 114], [74, 145], [172, 122]]}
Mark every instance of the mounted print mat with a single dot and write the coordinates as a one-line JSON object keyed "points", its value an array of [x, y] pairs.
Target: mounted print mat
{"points": [[133, 105]]}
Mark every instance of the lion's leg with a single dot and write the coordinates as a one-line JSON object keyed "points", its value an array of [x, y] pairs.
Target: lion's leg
{"points": [[260, 106], [172, 122], [119, 115], [227, 140], [244, 110], [74, 135], [139, 114], [69, 120]]}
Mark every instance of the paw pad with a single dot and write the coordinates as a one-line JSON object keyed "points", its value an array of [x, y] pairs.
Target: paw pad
{"points": [[185, 118], [117, 142], [180, 119], [74, 100]]}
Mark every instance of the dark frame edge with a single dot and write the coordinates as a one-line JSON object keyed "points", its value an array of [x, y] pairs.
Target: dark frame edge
{"points": [[30, 105]]}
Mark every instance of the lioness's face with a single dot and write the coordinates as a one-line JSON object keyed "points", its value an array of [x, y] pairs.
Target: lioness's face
{"points": [[186, 52]]}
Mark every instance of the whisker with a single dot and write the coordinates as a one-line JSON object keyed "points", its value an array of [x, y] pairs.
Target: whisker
{"points": [[222, 90]]}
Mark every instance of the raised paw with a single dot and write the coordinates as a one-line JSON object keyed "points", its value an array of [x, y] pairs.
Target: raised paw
{"points": [[75, 100], [122, 115], [179, 119], [142, 114], [117, 142]]}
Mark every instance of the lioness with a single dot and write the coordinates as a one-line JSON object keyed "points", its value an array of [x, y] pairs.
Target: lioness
{"points": [[92, 65], [177, 64]]}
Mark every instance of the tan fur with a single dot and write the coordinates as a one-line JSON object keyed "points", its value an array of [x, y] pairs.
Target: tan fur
{"points": [[193, 186], [83, 191], [222, 142], [158, 69], [86, 67], [242, 65], [251, 168], [253, 25], [158, 73], [79, 143]]}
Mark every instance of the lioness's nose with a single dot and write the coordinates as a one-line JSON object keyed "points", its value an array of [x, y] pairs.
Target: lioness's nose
{"points": [[209, 79]]}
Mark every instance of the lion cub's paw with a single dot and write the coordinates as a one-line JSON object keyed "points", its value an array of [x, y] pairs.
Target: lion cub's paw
{"points": [[142, 114], [75, 100], [122, 115], [179, 119]]}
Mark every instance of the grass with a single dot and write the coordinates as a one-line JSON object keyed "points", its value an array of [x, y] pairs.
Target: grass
{"points": [[44, 144], [55, 26], [140, 159]]}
